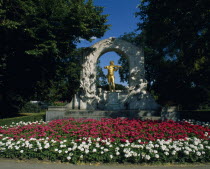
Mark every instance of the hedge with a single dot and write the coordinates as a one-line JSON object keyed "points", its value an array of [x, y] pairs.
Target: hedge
{"points": [[198, 115], [32, 117]]}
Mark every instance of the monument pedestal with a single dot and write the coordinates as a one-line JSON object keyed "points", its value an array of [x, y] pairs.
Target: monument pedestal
{"points": [[57, 113], [114, 100], [108, 105]]}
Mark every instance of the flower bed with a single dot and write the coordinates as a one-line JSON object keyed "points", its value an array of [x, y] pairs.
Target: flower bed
{"points": [[107, 140]]}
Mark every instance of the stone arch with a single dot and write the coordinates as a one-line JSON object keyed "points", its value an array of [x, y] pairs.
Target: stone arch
{"points": [[135, 98], [134, 55]]}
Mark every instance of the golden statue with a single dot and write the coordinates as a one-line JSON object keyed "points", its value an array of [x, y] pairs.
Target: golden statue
{"points": [[110, 76]]}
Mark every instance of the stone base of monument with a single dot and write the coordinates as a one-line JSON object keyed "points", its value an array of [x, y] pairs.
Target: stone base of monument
{"points": [[110, 105], [170, 113], [63, 113], [55, 112], [98, 114]]}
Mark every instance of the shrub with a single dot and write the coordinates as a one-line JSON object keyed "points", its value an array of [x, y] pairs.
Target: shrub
{"points": [[31, 108], [58, 103], [31, 118]]}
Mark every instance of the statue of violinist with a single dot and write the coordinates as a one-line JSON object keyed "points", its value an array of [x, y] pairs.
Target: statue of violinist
{"points": [[110, 76]]}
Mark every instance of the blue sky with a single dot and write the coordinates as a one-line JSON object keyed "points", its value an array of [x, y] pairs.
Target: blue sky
{"points": [[122, 18]]}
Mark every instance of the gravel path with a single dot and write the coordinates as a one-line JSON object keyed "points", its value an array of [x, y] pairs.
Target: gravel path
{"points": [[35, 164]]}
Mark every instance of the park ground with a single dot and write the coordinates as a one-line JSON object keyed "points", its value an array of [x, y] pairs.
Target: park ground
{"points": [[37, 164]]}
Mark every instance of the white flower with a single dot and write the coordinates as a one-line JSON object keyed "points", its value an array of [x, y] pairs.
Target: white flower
{"points": [[151, 151], [74, 147], [117, 148], [111, 156], [47, 145], [17, 147], [200, 146], [30, 146], [166, 153], [157, 156], [127, 155], [94, 150], [87, 146], [62, 145], [198, 153], [163, 147], [205, 142], [147, 157], [173, 152], [117, 153], [68, 158], [135, 154], [21, 151], [186, 152], [155, 151], [59, 151], [196, 142], [108, 143]]}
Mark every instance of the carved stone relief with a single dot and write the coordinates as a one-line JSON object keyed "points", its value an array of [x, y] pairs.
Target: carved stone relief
{"points": [[137, 96]]}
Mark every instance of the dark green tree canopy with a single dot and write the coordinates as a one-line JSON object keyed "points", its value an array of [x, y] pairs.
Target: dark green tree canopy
{"points": [[177, 34], [37, 37]]}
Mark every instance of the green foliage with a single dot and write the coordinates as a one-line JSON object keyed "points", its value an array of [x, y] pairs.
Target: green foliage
{"points": [[58, 103], [101, 79], [37, 37], [65, 82], [197, 115], [30, 108], [28, 118], [176, 39]]}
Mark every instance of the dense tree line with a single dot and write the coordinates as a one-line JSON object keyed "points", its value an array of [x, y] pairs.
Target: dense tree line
{"points": [[175, 35], [37, 48]]}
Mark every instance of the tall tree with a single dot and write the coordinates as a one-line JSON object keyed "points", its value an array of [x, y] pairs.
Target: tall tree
{"points": [[179, 33], [36, 36]]}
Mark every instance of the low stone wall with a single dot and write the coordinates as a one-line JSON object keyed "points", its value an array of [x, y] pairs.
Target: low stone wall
{"points": [[170, 113], [60, 112], [55, 112]]}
